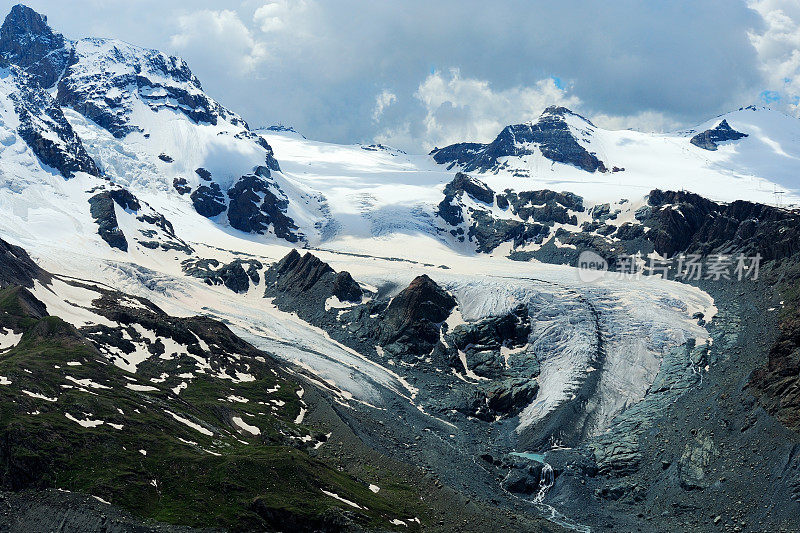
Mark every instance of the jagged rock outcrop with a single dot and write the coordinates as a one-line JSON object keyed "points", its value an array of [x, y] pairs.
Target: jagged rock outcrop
{"points": [[181, 185], [346, 289], [459, 154], [450, 208], [203, 174], [412, 321], [17, 268], [28, 42], [208, 200], [544, 206], [44, 128], [257, 203], [710, 139], [682, 221], [475, 188], [102, 210], [305, 283], [551, 135], [236, 275], [161, 234], [489, 231], [481, 342]]}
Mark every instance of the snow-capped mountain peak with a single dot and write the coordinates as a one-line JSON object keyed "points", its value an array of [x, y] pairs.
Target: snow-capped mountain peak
{"points": [[559, 135], [109, 80], [28, 42]]}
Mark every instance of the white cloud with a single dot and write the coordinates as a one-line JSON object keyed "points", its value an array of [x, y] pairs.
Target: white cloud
{"points": [[468, 109], [648, 121], [220, 36], [280, 15], [384, 99], [316, 64], [778, 48]]}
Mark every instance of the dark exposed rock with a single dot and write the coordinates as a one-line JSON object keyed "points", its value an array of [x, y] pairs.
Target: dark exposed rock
{"points": [[269, 159], [511, 396], [450, 212], [165, 158], [606, 229], [524, 476], [550, 134], [233, 275], [17, 268], [204, 174], [544, 206], [777, 383], [171, 240], [630, 231], [256, 203], [304, 284], [281, 128], [710, 139], [104, 214], [208, 200], [683, 221], [460, 154], [181, 185], [102, 210], [673, 226], [481, 341], [693, 467], [44, 128], [413, 319], [599, 211], [27, 41], [451, 207], [346, 289], [643, 213], [489, 232], [475, 188], [297, 274]]}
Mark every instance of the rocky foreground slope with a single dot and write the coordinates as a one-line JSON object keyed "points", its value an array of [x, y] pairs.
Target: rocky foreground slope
{"points": [[176, 420]]}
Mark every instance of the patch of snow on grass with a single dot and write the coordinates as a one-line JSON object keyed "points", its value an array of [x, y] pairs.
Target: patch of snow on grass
{"points": [[253, 430], [191, 424]]}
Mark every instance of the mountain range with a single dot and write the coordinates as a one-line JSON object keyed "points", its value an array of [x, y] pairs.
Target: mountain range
{"points": [[208, 326]]}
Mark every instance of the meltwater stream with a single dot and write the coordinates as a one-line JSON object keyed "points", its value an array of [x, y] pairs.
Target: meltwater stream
{"points": [[546, 480]]}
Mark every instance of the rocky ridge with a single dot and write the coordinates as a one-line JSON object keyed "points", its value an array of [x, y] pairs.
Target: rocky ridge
{"points": [[710, 139], [551, 135]]}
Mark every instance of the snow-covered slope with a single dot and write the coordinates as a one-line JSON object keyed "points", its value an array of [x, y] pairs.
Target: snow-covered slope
{"points": [[751, 168]]}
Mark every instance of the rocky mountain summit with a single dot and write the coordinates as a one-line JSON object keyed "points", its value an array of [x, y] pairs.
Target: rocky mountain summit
{"points": [[27, 41], [710, 139], [559, 135], [115, 85]]}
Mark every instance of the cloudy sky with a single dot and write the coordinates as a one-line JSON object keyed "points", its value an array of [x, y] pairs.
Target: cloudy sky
{"points": [[418, 74]]}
